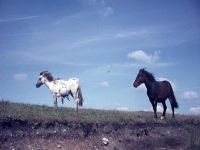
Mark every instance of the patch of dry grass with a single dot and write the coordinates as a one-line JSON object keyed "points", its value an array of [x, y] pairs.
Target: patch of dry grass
{"points": [[46, 113]]}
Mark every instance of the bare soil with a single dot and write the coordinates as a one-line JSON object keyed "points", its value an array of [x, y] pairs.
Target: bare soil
{"points": [[16, 134]]}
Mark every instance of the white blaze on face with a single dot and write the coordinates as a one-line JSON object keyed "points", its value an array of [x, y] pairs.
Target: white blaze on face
{"points": [[42, 79]]}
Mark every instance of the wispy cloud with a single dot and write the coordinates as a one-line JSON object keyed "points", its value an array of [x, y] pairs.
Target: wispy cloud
{"points": [[19, 18], [122, 108], [100, 7], [190, 95], [20, 76], [106, 11], [105, 84], [195, 110], [68, 18], [132, 32], [159, 109], [92, 40], [48, 59], [89, 2], [149, 36]]}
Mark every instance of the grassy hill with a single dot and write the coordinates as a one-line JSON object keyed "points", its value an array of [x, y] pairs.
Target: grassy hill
{"points": [[46, 113], [125, 130]]}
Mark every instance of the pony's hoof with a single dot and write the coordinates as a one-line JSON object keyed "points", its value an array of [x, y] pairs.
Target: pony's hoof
{"points": [[155, 118], [162, 117]]}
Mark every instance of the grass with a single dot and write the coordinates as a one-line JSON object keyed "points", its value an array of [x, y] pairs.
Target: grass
{"points": [[46, 113], [193, 138], [63, 114]]}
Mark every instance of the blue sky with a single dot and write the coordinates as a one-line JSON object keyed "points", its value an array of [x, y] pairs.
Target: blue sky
{"points": [[104, 43]]}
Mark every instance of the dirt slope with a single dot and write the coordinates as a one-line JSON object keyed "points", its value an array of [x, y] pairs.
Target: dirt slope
{"points": [[20, 132]]}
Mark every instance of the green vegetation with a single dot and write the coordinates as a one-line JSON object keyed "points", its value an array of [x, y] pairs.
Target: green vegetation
{"points": [[63, 114], [46, 113]]}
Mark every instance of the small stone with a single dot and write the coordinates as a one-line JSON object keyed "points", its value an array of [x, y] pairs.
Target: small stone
{"points": [[162, 117], [105, 141], [59, 146]]}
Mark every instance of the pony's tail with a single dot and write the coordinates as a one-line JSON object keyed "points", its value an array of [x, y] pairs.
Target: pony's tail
{"points": [[174, 102], [80, 97]]}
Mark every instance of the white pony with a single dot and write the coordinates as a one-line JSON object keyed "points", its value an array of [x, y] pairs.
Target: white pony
{"points": [[61, 88]]}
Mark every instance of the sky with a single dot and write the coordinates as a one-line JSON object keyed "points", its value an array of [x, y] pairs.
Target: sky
{"points": [[104, 43]]}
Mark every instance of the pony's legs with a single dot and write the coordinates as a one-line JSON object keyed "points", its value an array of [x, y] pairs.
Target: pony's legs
{"points": [[172, 106], [77, 105], [74, 95], [62, 99], [55, 101], [164, 110], [155, 109], [154, 105]]}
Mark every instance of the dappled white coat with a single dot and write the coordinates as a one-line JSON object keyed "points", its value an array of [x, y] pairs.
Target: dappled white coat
{"points": [[62, 88]]}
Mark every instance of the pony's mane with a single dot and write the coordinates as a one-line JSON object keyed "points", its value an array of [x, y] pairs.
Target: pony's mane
{"points": [[149, 75], [48, 75]]}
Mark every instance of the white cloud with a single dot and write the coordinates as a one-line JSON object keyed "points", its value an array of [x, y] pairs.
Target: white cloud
{"points": [[20, 76], [195, 110], [190, 95], [105, 84], [122, 109], [141, 88], [171, 82], [159, 108], [141, 56]]}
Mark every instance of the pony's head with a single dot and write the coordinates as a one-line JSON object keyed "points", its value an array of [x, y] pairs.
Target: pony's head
{"points": [[44, 77], [142, 77]]}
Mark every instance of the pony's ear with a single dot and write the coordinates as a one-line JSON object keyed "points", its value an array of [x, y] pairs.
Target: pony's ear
{"points": [[43, 72], [143, 69]]}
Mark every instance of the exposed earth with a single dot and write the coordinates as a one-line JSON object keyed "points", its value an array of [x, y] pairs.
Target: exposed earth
{"points": [[16, 134]]}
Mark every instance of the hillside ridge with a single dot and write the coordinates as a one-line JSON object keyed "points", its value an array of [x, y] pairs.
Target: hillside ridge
{"points": [[24, 126]]}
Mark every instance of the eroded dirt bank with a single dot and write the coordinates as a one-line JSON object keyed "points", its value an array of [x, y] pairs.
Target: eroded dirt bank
{"points": [[27, 135]]}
